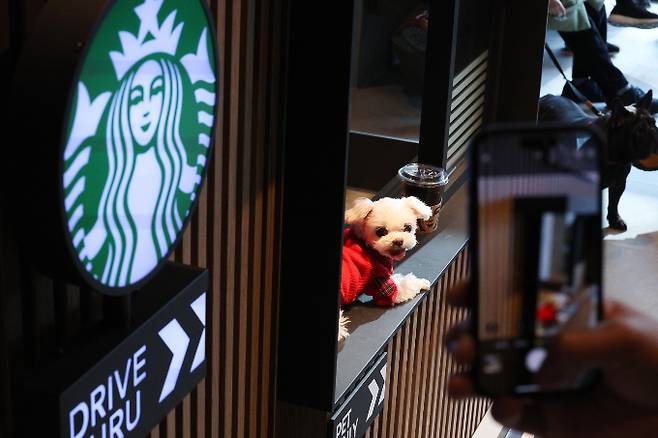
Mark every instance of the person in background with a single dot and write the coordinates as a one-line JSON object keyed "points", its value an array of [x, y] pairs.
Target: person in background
{"points": [[582, 24], [624, 403], [629, 13], [558, 12]]}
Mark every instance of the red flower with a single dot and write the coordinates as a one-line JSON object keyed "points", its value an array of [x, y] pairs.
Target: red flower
{"points": [[547, 313]]}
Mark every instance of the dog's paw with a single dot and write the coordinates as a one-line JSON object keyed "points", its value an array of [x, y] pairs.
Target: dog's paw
{"points": [[617, 223], [409, 286], [342, 327]]}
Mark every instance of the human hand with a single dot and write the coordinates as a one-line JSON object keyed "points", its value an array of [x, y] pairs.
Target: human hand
{"points": [[556, 8], [624, 347]]}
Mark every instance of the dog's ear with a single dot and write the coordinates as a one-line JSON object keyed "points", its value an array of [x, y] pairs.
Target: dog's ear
{"points": [[618, 108], [359, 211], [420, 209], [645, 102]]}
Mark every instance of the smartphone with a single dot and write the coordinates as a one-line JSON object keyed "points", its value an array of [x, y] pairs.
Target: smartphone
{"points": [[536, 239]]}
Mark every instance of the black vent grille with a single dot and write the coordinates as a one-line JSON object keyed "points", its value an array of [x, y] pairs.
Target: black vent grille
{"points": [[467, 107]]}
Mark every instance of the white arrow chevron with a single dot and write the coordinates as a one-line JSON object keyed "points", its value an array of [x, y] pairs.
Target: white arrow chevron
{"points": [[374, 391], [383, 373], [199, 308], [177, 341]]}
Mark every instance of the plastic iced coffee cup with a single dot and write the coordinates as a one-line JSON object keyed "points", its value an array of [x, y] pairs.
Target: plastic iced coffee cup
{"points": [[427, 183]]}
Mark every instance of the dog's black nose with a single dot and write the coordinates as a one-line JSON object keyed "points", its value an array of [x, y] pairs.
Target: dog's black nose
{"points": [[398, 242]]}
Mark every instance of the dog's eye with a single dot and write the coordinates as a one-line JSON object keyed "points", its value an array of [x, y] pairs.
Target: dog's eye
{"points": [[381, 231], [407, 228]]}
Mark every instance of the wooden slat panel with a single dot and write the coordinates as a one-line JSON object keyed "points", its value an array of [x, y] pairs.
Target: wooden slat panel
{"points": [[418, 368], [417, 404], [412, 385], [428, 396], [215, 200]]}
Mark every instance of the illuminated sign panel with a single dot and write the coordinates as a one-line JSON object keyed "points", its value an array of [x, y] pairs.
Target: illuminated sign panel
{"points": [[133, 386], [138, 135], [353, 418]]}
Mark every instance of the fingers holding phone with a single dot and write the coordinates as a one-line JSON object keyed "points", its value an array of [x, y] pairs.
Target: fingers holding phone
{"points": [[625, 349]]}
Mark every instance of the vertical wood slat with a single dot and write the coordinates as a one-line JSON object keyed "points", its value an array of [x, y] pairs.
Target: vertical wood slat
{"points": [[434, 394], [416, 404], [215, 195]]}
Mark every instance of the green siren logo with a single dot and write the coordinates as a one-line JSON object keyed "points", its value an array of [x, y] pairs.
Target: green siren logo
{"points": [[139, 133]]}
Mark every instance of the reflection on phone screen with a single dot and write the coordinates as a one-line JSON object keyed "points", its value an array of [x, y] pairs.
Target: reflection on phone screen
{"points": [[539, 240]]}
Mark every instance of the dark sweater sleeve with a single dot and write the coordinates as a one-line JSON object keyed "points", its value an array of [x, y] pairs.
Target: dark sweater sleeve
{"points": [[383, 290]]}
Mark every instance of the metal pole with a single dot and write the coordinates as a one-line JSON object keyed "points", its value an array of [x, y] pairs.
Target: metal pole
{"points": [[437, 89]]}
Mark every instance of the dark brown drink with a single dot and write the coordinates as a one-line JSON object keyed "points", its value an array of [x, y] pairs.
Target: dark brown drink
{"points": [[427, 183]]}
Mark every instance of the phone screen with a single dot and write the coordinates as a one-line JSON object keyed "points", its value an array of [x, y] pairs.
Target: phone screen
{"points": [[538, 257]]}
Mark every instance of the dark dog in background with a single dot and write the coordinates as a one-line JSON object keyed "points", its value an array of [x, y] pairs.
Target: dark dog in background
{"points": [[631, 136]]}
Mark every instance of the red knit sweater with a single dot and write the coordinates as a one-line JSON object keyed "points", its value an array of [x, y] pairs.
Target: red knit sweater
{"points": [[365, 271]]}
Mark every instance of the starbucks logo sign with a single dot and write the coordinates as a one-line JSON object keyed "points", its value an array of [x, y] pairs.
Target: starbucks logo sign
{"points": [[137, 136]]}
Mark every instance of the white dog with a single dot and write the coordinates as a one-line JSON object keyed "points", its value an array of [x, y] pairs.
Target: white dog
{"points": [[379, 232]]}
